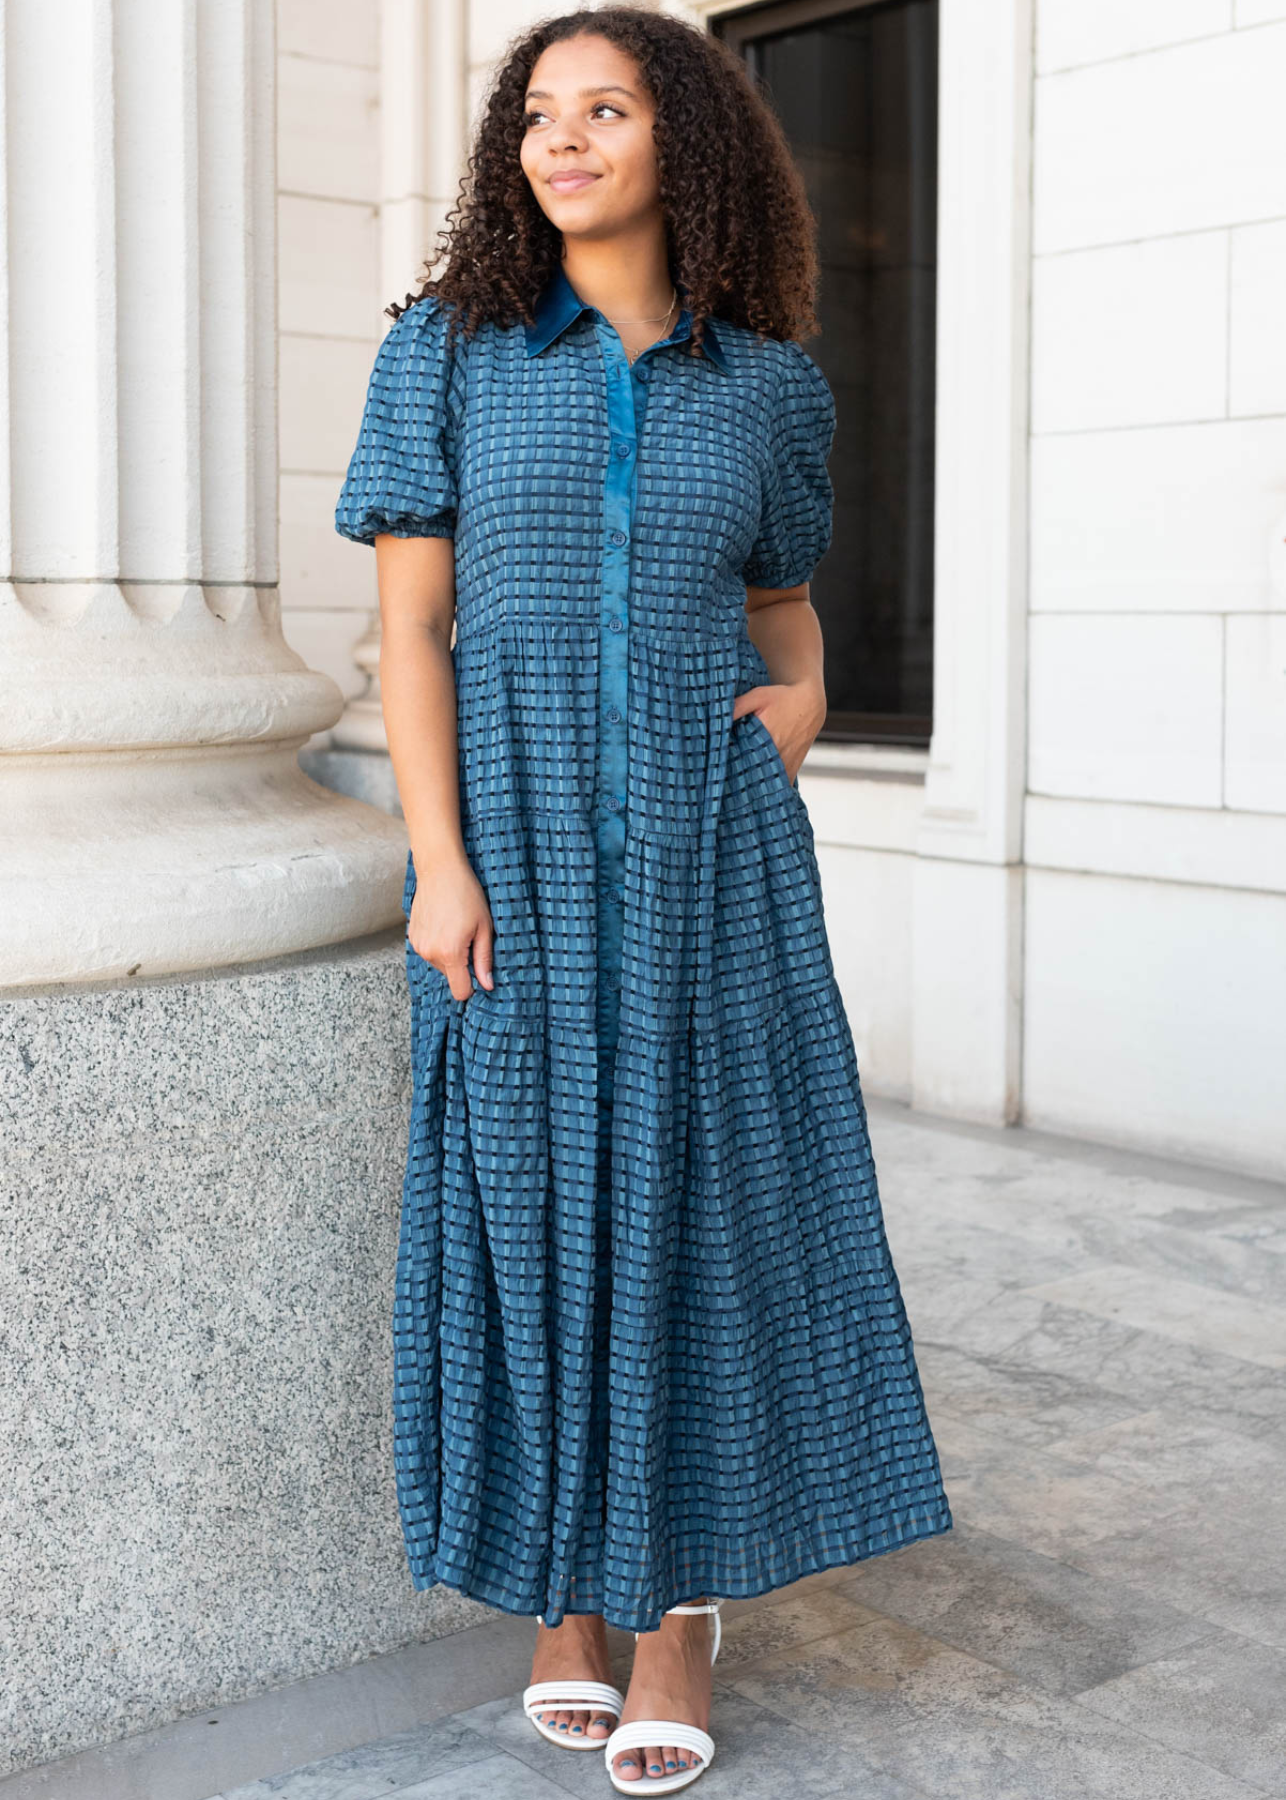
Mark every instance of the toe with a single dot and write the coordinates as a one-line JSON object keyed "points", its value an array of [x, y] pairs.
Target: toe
{"points": [[670, 1757], [653, 1761], [576, 1724], [627, 1766], [603, 1726]]}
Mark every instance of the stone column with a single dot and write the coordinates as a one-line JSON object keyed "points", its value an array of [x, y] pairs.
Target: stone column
{"points": [[153, 816], [423, 130]]}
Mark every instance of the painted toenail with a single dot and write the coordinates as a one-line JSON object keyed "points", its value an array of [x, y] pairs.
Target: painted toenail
{"points": [[578, 1728], [671, 1765]]}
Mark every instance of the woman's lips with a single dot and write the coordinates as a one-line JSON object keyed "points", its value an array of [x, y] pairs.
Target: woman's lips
{"points": [[567, 183]]}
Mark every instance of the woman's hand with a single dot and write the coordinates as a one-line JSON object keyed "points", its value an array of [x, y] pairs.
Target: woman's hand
{"points": [[449, 919], [793, 711]]}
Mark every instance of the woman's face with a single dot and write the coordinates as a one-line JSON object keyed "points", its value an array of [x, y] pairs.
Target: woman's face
{"points": [[587, 114]]}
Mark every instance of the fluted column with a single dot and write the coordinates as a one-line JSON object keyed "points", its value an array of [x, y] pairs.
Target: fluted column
{"points": [[153, 816], [423, 129]]}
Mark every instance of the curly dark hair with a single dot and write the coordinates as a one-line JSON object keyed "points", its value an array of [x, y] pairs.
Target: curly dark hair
{"points": [[740, 233]]}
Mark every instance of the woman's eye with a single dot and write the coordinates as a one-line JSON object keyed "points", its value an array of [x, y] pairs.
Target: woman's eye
{"points": [[529, 119]]}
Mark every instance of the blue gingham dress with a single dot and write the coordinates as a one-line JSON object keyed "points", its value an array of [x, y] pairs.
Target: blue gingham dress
{"points": [[648, 1339]]}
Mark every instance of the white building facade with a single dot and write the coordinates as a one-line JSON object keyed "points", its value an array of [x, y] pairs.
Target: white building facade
{"points": [[1070, 911]]}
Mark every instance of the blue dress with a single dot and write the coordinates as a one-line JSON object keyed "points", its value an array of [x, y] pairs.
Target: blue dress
{"points": [[648, 1338]]}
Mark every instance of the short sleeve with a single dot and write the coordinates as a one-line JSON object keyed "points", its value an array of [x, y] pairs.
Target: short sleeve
{"points": [[795, 520], [401, 476]]}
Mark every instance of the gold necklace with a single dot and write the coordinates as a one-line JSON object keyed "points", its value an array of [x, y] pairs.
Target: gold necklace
{"points": [[632, 356], [674, 294]]}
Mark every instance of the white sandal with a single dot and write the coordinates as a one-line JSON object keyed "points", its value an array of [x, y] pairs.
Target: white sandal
{"points": [[570, 1695], [641, 1732]]}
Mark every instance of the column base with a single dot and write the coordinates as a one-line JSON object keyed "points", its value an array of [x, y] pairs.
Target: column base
{"points": [[202, 1181], [126, 863]]}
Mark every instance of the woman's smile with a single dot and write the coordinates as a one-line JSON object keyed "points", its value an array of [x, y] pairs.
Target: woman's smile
{"points": [[566, 181]]}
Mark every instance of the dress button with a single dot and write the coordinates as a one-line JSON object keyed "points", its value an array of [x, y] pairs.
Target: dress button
{"points": [[622, 449], [613, 893], [619, 537], [615, 622], [642, 374], [613, 714], [614, 802]]}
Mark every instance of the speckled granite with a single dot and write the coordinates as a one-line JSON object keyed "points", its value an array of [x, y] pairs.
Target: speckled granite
{"points": [[199, 1205]]}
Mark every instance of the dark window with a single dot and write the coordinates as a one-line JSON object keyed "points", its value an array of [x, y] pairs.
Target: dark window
{"points": [[856, 87]]}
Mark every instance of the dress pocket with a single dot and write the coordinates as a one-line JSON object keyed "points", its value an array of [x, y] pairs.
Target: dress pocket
{"points": [[770, 749]]}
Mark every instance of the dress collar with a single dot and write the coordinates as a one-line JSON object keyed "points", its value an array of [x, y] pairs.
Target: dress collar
{"points": [[559, 304]]}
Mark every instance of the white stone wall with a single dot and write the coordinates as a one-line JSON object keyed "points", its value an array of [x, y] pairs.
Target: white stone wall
{"points": [[330, 301], [1155, 968]]}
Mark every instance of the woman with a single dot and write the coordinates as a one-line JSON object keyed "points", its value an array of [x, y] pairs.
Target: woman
{"points": [[650, 1346]]}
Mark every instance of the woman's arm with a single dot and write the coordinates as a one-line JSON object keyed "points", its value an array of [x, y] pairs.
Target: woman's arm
{"points": [[450, 918], [788, 635]]}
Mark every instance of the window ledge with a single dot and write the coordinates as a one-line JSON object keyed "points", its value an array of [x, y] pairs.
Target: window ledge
{"points": [[872, 762]]}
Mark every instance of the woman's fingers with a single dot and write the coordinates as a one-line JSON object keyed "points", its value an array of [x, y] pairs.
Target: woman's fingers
{"points": [[456, 969], [450, 925], [483, 941]]}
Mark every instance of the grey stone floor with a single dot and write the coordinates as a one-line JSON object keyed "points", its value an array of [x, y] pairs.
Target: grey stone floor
{"points": [[1102, 1340]]}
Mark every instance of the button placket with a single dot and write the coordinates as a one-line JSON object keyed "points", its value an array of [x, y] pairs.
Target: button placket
{"points": [[625, 399], [627, 392]]}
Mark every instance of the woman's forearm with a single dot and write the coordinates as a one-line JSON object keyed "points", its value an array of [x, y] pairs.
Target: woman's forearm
{"points": [[788, 635], [417, 690]]}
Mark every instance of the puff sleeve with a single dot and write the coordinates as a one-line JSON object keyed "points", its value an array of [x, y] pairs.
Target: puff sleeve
{"points": [[795, 520], [401, 477]]}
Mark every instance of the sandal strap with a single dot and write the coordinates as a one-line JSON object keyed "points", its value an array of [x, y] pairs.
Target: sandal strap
{"points": [[703, 1606], [573, 1695], [641, 1732]]}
